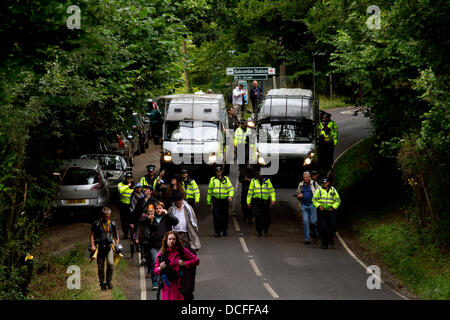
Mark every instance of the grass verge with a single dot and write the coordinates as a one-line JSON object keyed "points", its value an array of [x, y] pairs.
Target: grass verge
{"points": [[377, 213], [336, 102], [50, 279]]}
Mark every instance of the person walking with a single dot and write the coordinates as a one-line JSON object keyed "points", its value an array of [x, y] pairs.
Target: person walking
{"points": [[103, 236], [151, 179], [136, 197], [305, 193], [245, 177], [175, 185], [327, 142], [241, 143], [256, 94], [238, 100], [191, 189], [171, 258], [326, 199], [187, 228], [152, 228], [260, 196], [221, 192], [125, 188]]}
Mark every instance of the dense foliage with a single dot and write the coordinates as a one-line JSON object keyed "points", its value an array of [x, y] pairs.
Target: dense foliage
{"points": [[57, 83]]}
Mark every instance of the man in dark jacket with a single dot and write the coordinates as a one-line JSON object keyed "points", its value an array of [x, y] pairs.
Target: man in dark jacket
{"points": [[256, 95], [152, 228], [245, 176]]}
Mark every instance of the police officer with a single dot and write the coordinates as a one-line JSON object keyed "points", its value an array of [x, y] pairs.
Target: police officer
{"points": [[261, 195], [104, 235], [221, 191], [190, 188], [241, 143], [126, 189], [327, 141], [326, 199], [151, 179]]}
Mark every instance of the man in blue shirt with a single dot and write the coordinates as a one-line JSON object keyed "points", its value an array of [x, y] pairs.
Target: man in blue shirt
{"points": [[305, 193]]}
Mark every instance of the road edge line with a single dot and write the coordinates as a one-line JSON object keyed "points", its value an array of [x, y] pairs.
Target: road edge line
{"points": [[341, 240], [142, 279]]}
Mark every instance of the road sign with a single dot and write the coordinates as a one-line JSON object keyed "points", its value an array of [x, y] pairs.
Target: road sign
{"points": [[247, 71], [251, 77]]}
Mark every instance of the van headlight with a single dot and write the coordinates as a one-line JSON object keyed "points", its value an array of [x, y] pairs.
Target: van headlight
{"points": [[308, 159], [251, 124], [261, 161], [167, 157]]}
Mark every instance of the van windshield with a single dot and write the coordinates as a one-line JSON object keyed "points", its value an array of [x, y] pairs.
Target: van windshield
{"points": [[191, 130], [286, 132]]}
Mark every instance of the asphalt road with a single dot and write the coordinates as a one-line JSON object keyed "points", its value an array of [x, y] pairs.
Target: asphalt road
{"points": [[243, 266]]}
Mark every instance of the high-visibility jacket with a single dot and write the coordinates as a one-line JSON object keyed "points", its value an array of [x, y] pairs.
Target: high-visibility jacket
{"points": [[146, 182], [260, 190], [191, 189], [332, 135], [326, 199], [240, 136], [125, 192], [220, 189]]}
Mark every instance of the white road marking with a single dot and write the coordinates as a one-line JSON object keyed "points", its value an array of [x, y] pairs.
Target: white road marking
{"points": [[255, 267], [244, 245], [350, 252], [342, 240], [271, 291], [142, 278], [236, 224]]}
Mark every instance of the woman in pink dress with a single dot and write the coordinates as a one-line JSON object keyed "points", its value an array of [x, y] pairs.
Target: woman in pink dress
{"points": [[170, 258]]}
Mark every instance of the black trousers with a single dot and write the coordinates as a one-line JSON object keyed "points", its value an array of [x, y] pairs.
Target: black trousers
{"points": [[261, 211], [125, 218], [327, 225], [326, 155], [220, 215], [191, 202], [246, 211], [191, 272]]}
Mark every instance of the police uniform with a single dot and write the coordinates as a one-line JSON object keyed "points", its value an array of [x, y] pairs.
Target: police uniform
{"points": [[104, 233], [245, 176], [125, 193], [327, 141], [218, 191], [327, 199], [260, 194], [192, 192]]}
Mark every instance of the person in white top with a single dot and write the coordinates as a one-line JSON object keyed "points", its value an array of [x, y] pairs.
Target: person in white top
{"points": [[238, 100]]}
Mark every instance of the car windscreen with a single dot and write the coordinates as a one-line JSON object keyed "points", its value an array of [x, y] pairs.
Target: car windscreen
{"points": [[287, 132], [80, 176], [191, 130], [108, 162]]}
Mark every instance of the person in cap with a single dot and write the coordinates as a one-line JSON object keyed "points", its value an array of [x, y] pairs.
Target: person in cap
{"points": [[327, 142], [190, 188], [151, 179], [305, 192], [136, 196], [103, 236], [241, 137], [220, 192], [326, 199], [125, 188], [260, 196]]}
